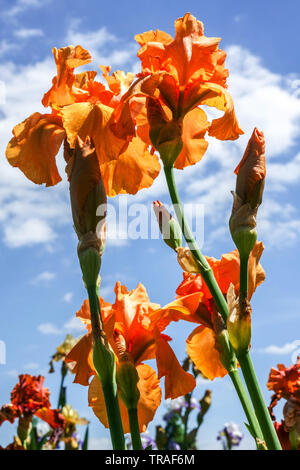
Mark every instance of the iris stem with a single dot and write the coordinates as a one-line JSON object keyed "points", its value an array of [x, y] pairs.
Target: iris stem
{"points": [[134, 429], [247, 407], [62, 391], [205, 269], [206, 272], [109, 386], [249, 374]]}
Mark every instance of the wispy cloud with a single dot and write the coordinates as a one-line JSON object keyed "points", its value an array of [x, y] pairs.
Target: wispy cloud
{"points": [[68, 297], [28, 232], [31, 366], [49, 329], [106, 48], [43, 277], [22, 5], [287, 348], [74, 325], [25, 33], [6, 46]]}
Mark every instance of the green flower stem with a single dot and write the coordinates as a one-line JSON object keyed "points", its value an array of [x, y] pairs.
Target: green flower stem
{"points": [[207, 274], [249, 374], [258, 401], [62, 391], [134, 429], [205, 269], [108, 383], [247, 407], [243, 277]]}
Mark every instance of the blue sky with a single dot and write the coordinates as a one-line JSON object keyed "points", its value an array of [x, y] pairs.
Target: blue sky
{"points": [[40, 280]]}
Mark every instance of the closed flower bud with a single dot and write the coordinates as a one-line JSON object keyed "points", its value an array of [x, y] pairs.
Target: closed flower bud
{"points": [[223, 345], [186, 260], [87, 193], [165, 133], [247, 197], [126, 373], [168, 226], [127, 380], [104, 360], [238, 321]]}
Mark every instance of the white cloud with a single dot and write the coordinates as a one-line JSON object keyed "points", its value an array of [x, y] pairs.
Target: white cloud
{"points": [[74, 324], [287, 348], [6, 46], [12, 373], [28, 232], [48, 329], [31, 366], [106, 48], [68, 297], [25, 33], [238, 18], [265, 100], [21, 6], [43, 277]]}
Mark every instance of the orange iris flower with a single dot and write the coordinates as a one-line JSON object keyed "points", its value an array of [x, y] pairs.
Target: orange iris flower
{"points": [[30, 397], [285, 381], [129, 322], [201, 343], [177, 76], [81, 106]]}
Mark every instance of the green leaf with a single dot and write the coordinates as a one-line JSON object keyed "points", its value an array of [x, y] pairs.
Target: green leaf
{"points": [[86, 439]]}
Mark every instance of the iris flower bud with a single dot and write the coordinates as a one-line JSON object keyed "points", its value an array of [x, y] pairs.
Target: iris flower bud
{"points": [[168, 226], [247, 197], [186, 260], [223, 345], [238, 321], [165, 133], [127, 379], [126, 373], [87, 193]]}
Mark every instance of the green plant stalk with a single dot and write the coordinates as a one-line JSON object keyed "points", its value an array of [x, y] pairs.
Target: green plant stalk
{"points": [[247, 407], [109, 387], [249, 374], [134, 429], [205, 269], [62, 390], [243, 277], [208, 276], [261, 410]]}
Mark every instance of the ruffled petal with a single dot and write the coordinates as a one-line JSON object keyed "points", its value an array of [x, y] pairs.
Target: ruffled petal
{"points": [[177, 381], [188, 308], [256, 274], [118, 81], [189, 55], [150, 397], [34, 147], [86, 119], [210, 94], [195, 126], [82, 355], [135, 169], [53, 417], [66, 59], [202, 350]]}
